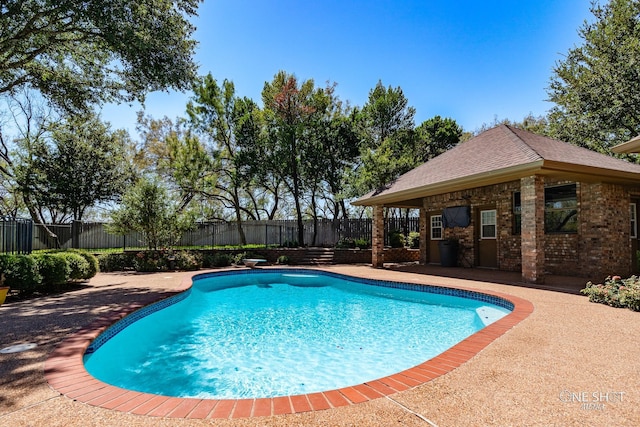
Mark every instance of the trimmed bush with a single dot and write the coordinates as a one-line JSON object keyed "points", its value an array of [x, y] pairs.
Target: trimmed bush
{"points": [[188, 260], [149, 261], [283, 260], [221, 259], [20, 272], [54, 269], [346, 243], [414, 240], [78, 265], [616, 292], [396, 239], [362, 243], [91, 259], [115, 262]]}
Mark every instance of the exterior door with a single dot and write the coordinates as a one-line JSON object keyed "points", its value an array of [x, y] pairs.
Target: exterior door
{"points": [[436, 232], [487, 238], [633, 212]]}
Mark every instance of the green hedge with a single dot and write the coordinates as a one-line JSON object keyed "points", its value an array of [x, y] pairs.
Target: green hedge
{"points": [[20, 272], [54, 269], [46, 271], [116, 261]]}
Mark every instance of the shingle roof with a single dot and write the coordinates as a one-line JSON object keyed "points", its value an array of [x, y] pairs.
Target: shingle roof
{"points": [[500, 151]]}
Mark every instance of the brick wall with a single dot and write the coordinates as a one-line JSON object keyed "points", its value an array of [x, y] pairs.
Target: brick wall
{"points": [[500, 196], [604, 245], [341, 256], [601, 246]]}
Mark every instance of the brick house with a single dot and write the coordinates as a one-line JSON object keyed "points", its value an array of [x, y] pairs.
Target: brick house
{"points": [[517, 201]]}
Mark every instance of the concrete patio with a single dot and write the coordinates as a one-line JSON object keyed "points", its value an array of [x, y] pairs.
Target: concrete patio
{"points": [[570, 363]]}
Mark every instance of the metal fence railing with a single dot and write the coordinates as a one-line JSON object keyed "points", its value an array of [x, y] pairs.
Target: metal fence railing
{"points": [[16, 235], [93, 235]]}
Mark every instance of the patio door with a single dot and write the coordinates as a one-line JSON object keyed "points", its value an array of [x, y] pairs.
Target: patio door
{"points": [[487, 233], [436, 232], [633, 214]]}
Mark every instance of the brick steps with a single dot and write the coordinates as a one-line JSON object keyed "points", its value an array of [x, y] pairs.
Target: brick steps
{"points": [[318, 256]]}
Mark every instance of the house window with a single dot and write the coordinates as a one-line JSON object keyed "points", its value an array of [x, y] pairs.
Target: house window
{"points": [[488, 224], [560, 209], [517, 213], [436, 227], [634, 220]]}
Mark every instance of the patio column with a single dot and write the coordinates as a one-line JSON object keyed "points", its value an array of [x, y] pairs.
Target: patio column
{"points": [[532, 230], [423, 236], [377, 238]]}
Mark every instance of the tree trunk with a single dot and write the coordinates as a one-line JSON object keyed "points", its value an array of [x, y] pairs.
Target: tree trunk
{"points": [[37, 219]]}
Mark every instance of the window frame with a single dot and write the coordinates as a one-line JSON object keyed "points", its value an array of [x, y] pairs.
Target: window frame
{"points": [[440, 227], [494, 224], [569, 209], [633, 216], [516, 210]]}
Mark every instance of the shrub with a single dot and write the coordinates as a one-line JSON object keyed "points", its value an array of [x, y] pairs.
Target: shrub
{"points": [[237, 258], [346, 243], [284, 260], [188, 260], [414, 240], [20, 272], [115, 261], [396, 239], [221, 259], [148, 261], [616, 292], [78, 265], [91, 259], [54, 270], [362, 243]]}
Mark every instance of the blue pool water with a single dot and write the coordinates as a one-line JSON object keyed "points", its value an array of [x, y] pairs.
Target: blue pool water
{"points": [[266, 333]]}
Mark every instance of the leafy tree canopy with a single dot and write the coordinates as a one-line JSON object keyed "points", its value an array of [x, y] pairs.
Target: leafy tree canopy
{"points": [[80, 52], [596, 89], [147, 208], [77, 164]]}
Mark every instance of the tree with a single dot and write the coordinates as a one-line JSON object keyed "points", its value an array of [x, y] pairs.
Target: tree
{"points": [[288, 112], [388, 126], [596, 88], [147, 208], [79, 164], [433, 137], [337, 149], [232, 128], [387, 114], [76, 53]]}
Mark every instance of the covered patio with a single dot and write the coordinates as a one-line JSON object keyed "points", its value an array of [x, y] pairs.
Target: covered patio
{"points": [[528, 204]]}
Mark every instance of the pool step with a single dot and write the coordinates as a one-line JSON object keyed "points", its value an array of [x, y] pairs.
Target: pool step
{"points": [[318, 256]]}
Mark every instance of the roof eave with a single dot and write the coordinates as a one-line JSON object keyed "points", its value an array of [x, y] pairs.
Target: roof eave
{"points": [[631, 146], [464, 183]]}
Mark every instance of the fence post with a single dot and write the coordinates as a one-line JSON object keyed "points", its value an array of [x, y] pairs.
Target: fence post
{"points": [[76, 229]]}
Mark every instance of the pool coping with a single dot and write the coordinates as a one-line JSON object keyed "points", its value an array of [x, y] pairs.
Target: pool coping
{"points": [[65, 372]]}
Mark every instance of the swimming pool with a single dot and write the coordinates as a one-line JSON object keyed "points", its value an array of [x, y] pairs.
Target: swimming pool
{"points": [[269, 333]]}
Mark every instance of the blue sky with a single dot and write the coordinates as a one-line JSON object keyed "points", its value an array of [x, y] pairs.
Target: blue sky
{"points": [[471, 61]]}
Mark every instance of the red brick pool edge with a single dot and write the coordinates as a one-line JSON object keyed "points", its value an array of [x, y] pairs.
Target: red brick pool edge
{"points": [[65, 373]]}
